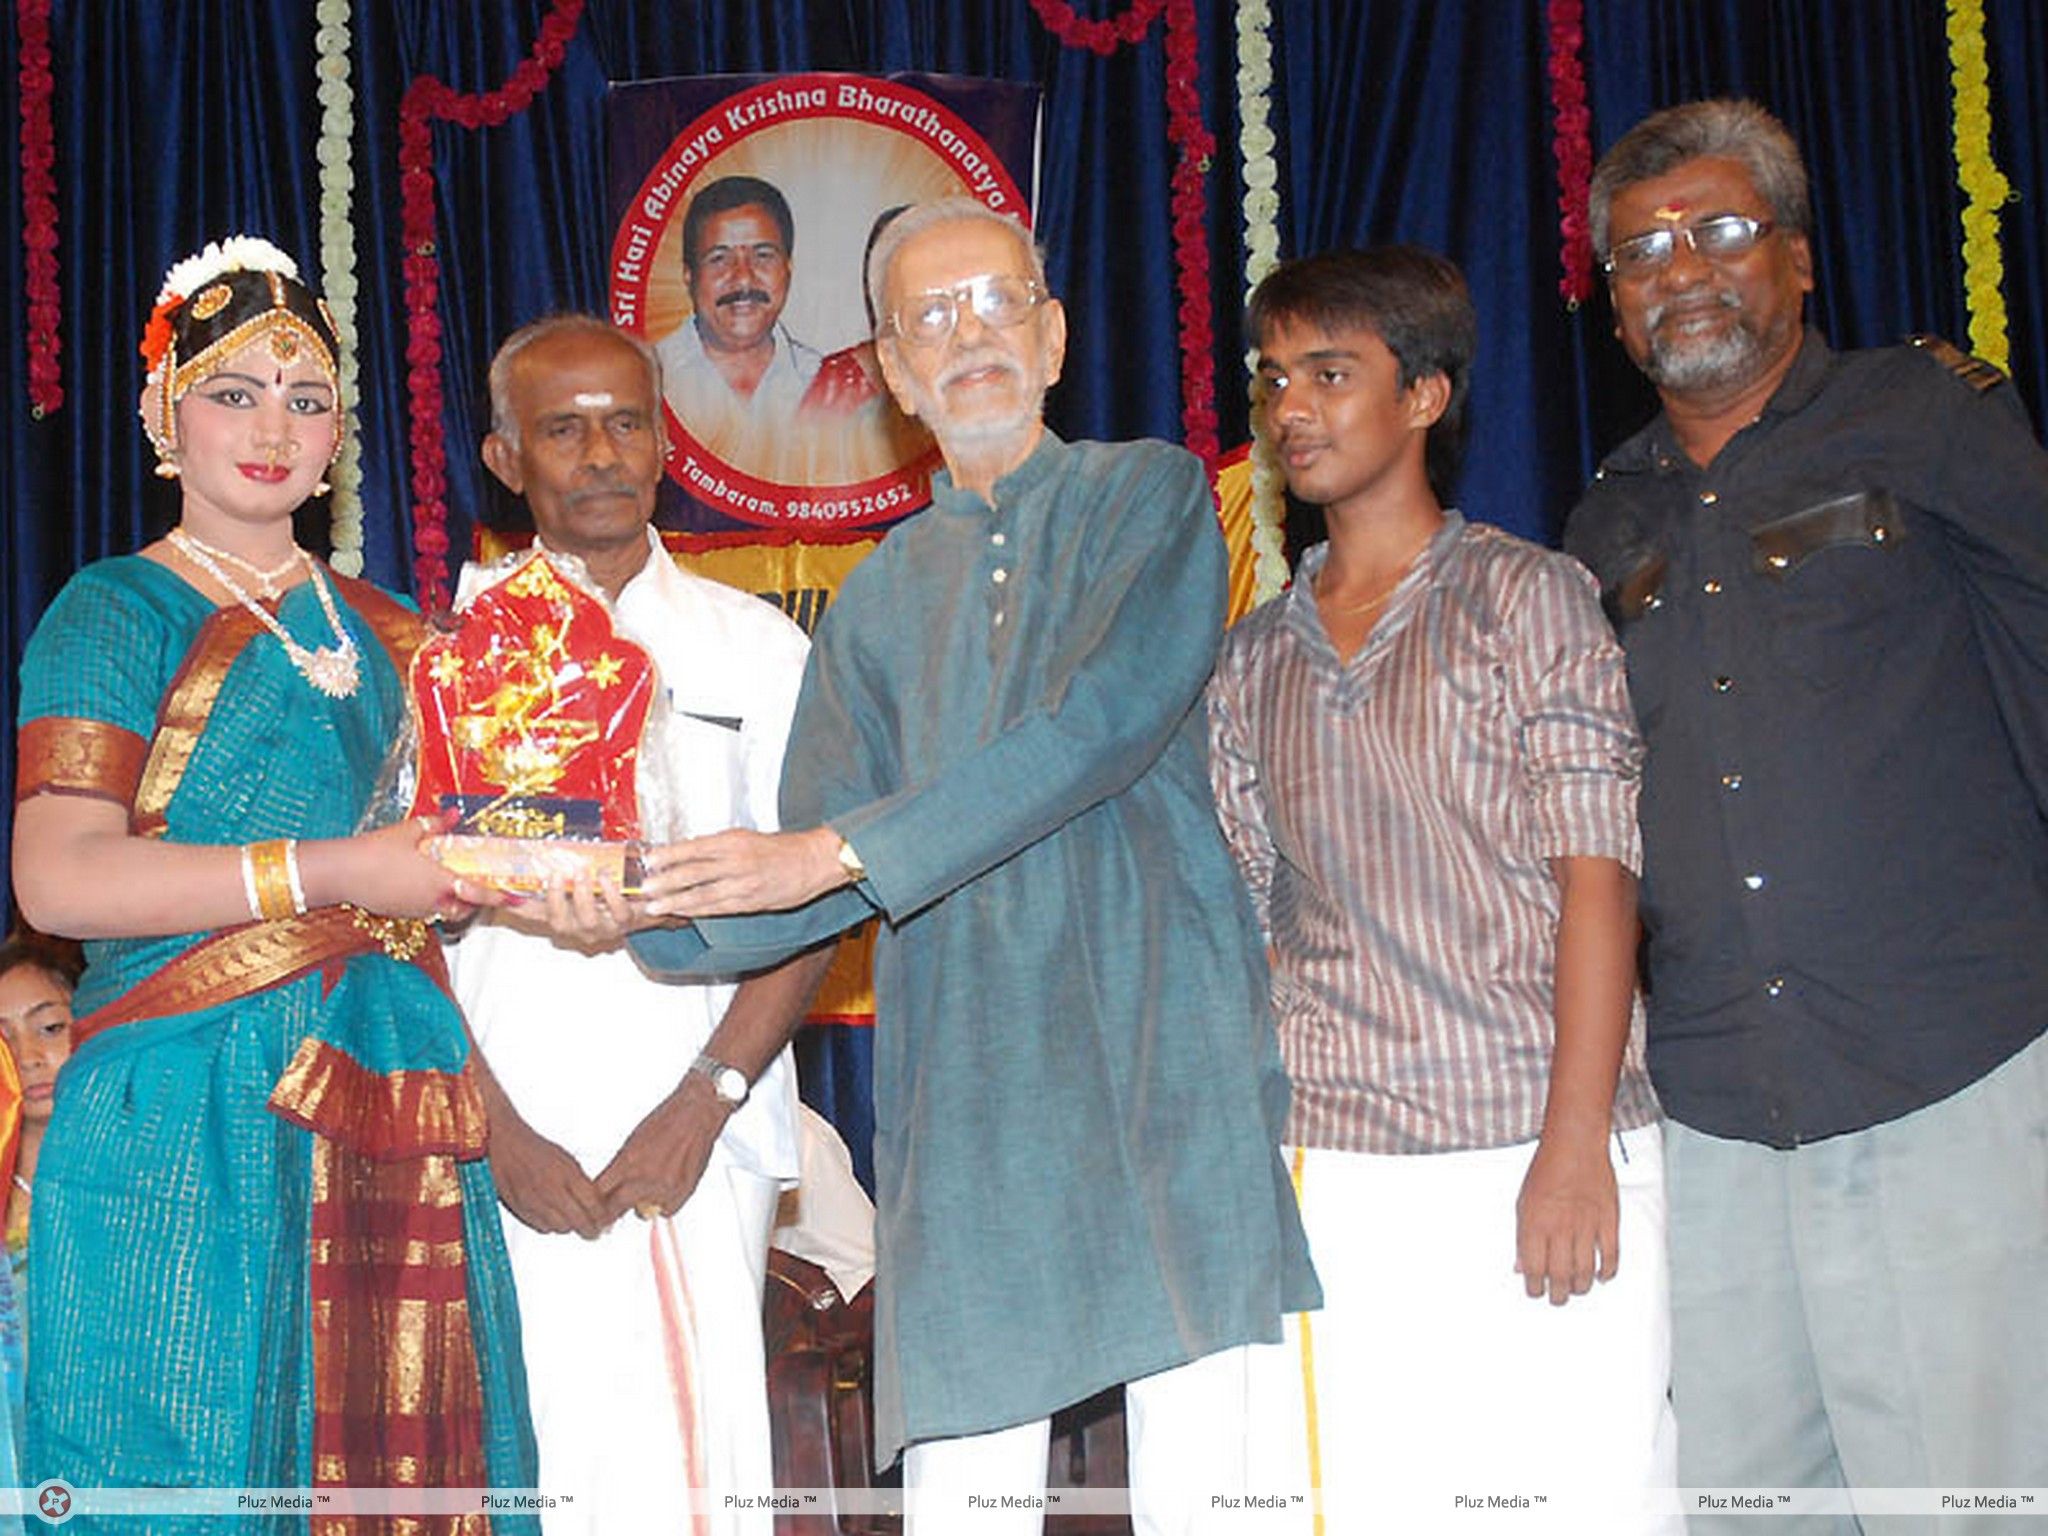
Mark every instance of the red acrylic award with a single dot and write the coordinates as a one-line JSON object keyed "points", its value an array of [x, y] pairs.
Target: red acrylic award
{"points": [[530, 715]]}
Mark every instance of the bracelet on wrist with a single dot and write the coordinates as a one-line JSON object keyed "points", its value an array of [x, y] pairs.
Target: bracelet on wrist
{"points": [[269, 868], [249, 883]]}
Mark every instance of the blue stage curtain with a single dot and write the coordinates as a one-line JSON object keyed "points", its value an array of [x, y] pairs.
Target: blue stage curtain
{"points": [[1411, 120]]}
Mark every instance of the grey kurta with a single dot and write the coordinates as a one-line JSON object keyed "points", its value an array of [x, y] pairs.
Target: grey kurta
{"points": [[1078, 1096]]}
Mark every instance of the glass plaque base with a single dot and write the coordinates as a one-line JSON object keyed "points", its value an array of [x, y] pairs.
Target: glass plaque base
{"points": [[525, 866]]}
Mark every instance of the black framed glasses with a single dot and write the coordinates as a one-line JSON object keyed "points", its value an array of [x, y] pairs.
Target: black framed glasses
{"points": [[999, 300], [1720, 238]]}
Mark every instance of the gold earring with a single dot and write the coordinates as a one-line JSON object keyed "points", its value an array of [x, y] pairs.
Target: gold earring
{"points": [[322, 488], [166, 467]]}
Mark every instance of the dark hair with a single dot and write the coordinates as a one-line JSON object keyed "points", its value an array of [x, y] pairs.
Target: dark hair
{"points": [[882, 221], [1723, 129], [1414, 300], [726, 194], [230, 301], [49, 956], [227, 313]]}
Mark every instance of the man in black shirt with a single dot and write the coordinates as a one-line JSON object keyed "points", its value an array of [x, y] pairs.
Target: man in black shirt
{"points": [[1830, 574]]}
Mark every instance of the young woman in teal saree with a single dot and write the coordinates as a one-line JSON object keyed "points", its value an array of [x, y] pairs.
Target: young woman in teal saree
{"points": [[267, 1245]]}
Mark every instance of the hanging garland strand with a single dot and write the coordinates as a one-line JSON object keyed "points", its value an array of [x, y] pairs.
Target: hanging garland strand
{"points": [[426, 101], [1981, 180], [338, 270], [1572, 147], [1189, 185], [1103, 37], [1190, 205], [39, 211], [1256, 143]]}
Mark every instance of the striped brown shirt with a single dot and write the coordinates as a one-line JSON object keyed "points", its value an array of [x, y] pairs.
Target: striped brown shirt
{"points": [[1394, 816]]}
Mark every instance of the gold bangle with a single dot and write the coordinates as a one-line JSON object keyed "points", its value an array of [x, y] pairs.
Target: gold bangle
{"points": [[273, 879], [249, 884]]}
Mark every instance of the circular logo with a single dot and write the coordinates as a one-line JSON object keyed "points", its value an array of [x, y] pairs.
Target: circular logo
{"points": [[742, 259], [53, 1502]]}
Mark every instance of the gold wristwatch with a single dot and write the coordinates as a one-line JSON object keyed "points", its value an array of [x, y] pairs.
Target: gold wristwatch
{"points": [[850, 862]]}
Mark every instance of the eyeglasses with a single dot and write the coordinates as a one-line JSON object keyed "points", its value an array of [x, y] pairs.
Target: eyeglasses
{"points": [[999, 300], [1717, 239]]}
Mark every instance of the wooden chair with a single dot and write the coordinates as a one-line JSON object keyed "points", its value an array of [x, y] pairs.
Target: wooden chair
{"points": [[821, 1412]]}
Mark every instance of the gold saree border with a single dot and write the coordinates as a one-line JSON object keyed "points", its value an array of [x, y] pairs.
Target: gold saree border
{"points": [[404, 1114], [398, 629], [397, 1387], [233, 963], [68, 755], [182, 716], [382, 1114], [187, 705]]}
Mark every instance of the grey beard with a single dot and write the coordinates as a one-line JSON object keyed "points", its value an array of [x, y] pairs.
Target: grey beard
{"points": [[990, 430], [1687, 363], [1716, 362], [970, 437]]}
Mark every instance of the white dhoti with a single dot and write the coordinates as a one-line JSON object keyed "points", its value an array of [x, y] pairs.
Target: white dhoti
{"points": [[643, 1348], [1432, 1393], [644, 1365]]}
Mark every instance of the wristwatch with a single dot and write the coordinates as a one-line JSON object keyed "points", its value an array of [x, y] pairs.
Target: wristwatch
{"points": [[850, 862], [728, 1082]]}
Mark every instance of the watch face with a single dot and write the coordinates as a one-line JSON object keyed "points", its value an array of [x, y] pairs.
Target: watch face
{"points": [[731, 1084]]}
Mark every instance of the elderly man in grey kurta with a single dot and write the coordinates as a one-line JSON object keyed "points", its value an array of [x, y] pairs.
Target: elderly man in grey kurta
{"points": [[999, 747]]}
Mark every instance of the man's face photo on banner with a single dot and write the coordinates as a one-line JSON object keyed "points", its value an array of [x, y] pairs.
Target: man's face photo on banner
{"points": [[736, 260], [742, 259]]}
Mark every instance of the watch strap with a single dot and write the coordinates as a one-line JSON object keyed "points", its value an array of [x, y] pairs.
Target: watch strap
{"points": [[850, 862], [727, 1080]]}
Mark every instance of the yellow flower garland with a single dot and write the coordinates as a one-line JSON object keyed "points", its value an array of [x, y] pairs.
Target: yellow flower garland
{"points": [[1256, 143], [1981, 180]]}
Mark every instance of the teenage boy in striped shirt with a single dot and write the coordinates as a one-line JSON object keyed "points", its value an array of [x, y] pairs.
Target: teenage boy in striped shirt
{"points": [[1426, 765]]}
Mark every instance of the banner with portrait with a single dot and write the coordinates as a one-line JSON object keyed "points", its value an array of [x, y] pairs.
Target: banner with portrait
{"points": [[743, 210]]}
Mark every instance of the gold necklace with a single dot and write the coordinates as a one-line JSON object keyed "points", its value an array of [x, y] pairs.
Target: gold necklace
{"points": [[1369, 604], [266, 581], [332, 668]]}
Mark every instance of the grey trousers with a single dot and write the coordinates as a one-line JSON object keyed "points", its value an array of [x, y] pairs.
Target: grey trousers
{"points": [[1868, 1311]]}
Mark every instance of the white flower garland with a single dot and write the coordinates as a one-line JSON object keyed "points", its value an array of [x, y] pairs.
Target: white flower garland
{"points": [[237, 253], [1256, 143], [338, 267]]}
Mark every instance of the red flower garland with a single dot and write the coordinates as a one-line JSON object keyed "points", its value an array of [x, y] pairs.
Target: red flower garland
{"points": [[426, 100], [39, 211], [1103, 37], [1190, 188], [1572, 147]]}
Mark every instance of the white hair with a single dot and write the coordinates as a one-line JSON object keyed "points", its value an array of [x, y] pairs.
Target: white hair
{"points": [[504, 421], [915, 220]]}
